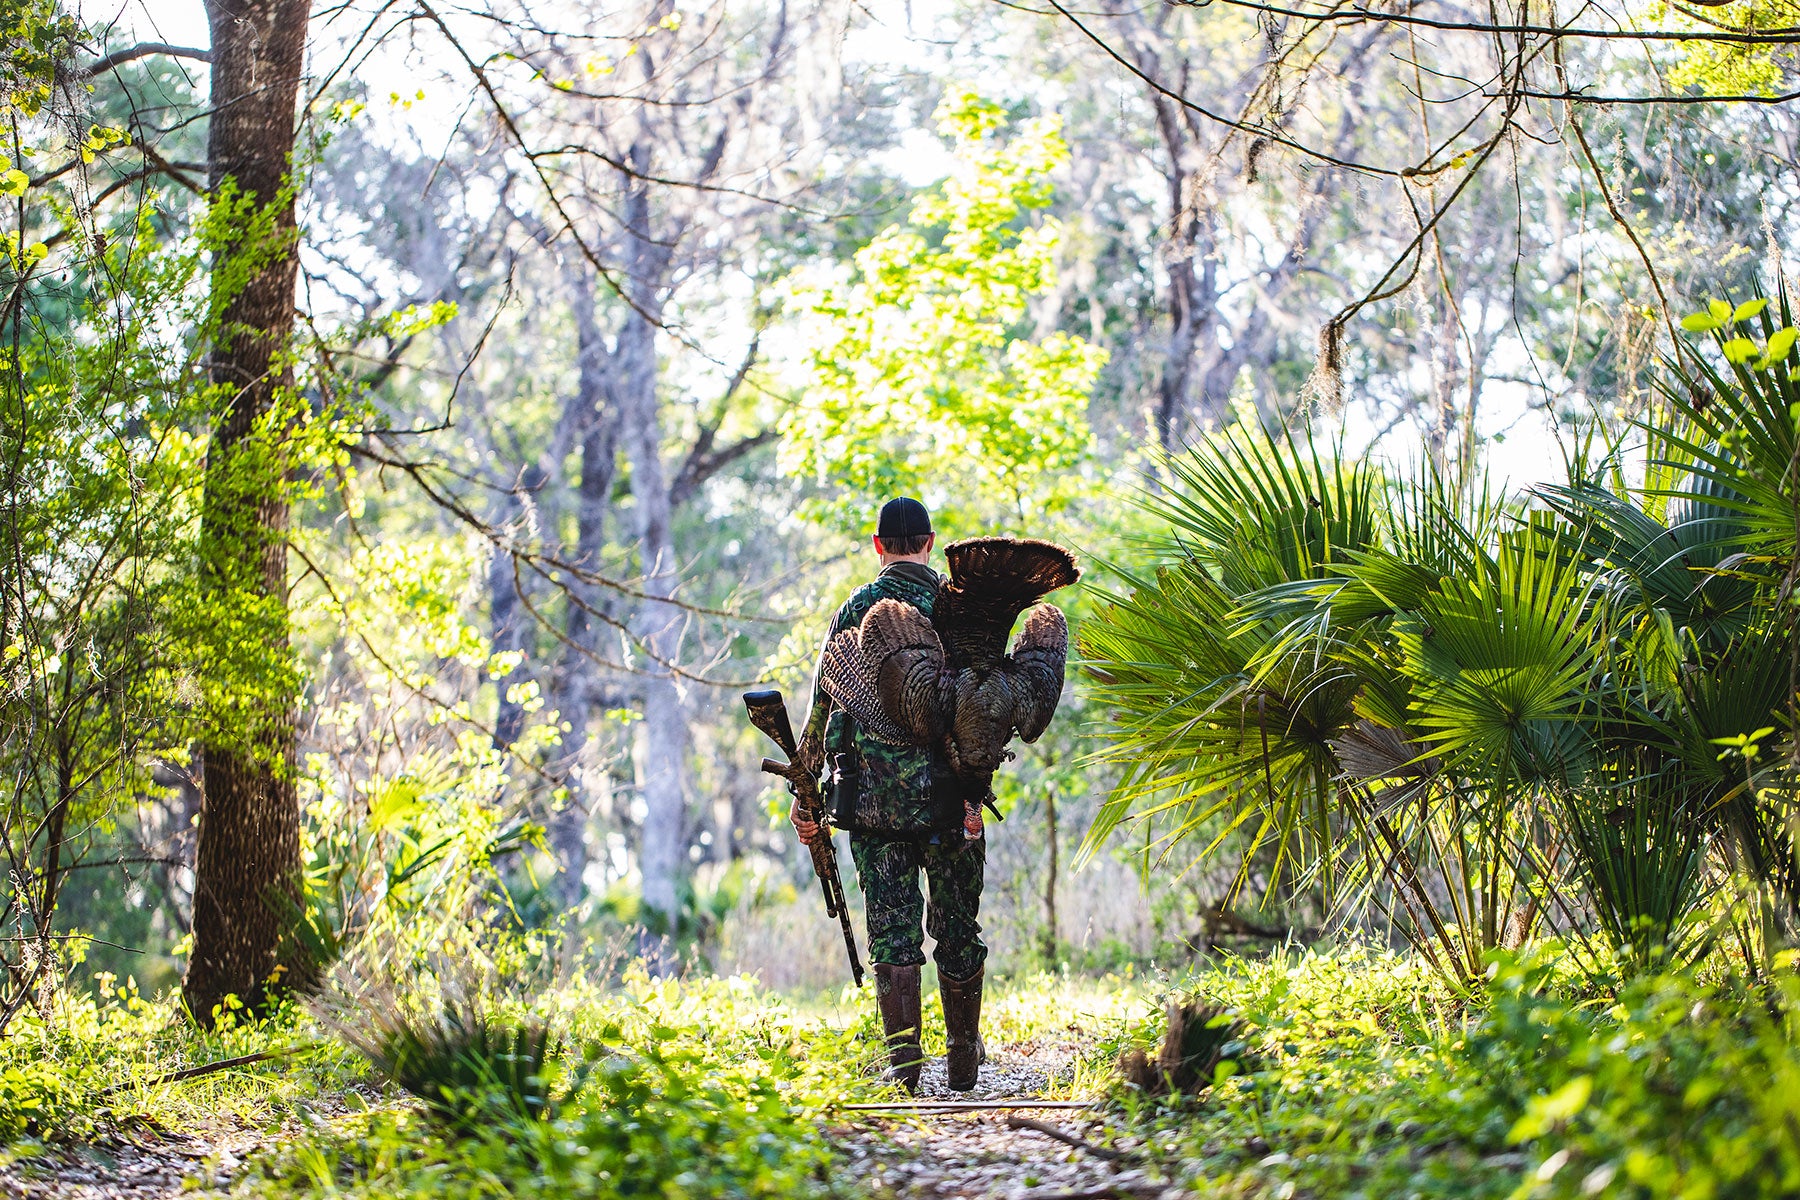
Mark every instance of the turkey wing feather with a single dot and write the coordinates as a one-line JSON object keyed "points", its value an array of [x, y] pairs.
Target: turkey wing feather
{"points": [[1038, 657], [844, 679], [903, 657]]}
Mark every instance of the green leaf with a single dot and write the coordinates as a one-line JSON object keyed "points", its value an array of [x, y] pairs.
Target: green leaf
{"points": [[1748, 309], [1545, 1113], [1721, 311], [1780, 342], [1739, 350], [14, 183], [393, 804], [1699, 323]]}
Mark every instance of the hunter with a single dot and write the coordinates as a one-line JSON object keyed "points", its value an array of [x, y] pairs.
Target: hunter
{"points": [[904, 810]]}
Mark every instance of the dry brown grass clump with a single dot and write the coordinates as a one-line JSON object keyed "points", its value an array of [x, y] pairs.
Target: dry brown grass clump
{"points": [[1192, 1048]]}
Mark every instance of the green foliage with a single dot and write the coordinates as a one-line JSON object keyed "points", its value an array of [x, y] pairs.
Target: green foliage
{"points": [[1360, 1074], [90, 1063], [409, 817], [924, 376], [1178, 676], [237, 619], [1346, 1073], [133, 625], [100, 485], [1677, 1089], [54, 138], [468, 1065], [34, 39], [1425, 699], [404, 854], [708, 1088], [1732, 69]]}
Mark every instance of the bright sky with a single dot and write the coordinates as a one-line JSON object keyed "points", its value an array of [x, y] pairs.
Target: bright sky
{"points": [[177, 22], [910, 35]]}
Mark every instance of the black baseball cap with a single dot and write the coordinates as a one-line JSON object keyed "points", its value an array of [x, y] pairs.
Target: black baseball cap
{"points": [[903, 517]]}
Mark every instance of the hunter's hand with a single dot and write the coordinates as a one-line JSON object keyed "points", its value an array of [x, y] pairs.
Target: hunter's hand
{"points": [[808, 830]]}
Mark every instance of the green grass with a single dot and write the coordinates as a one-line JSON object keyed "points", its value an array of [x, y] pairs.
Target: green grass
{"points": [[1362, 1076], [93, 1062], [1356, 1074]]}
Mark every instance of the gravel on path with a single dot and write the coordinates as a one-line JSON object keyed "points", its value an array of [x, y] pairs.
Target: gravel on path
{"points": [[118, 1167], [912, 1156]]}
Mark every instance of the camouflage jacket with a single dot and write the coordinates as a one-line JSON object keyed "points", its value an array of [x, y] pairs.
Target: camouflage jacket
{"points": [[873, 787]]}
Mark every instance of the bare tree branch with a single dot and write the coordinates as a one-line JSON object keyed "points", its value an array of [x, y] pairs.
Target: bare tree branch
{"points": [[119, 58]]}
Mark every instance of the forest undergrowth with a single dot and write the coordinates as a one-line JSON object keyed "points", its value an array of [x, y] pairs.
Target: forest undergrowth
{"points": [[1349, 1072]]}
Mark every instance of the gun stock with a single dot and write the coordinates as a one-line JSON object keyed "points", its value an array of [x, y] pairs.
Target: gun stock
{"points": [[768, 712]]}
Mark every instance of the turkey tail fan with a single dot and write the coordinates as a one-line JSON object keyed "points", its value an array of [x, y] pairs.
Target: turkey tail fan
{"points": [[842, 676], [902, 655], [1011, 567], [1039, 654], [992, 581]]}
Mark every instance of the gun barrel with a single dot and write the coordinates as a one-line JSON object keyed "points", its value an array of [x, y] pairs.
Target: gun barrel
{"points": [[768, 712], [856, 967]]}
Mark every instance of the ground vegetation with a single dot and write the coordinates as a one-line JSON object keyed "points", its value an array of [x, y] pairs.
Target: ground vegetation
{"points": [[418, 424]]}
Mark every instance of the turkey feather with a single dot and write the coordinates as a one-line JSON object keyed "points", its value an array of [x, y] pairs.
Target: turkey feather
{"points": [[993, 580], [947, 679], [842, 676], [1039, 655], [904, 659]]}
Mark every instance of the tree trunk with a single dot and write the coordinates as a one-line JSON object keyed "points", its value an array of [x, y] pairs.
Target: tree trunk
{"points": [[1051, 935], [658, 627], [574, 687], [507, 627], [1443, 362], [1218, 375], [247, 870], [658, 630], [1193, 292], [1175, 384]]}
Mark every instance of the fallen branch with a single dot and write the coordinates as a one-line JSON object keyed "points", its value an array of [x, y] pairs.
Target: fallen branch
{"points": [[211, 1068], [1068, 1139], [963, 1105], [1105, 1191]]}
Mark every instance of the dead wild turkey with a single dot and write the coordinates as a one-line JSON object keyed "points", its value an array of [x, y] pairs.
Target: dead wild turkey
{"points": [[910, 680]]}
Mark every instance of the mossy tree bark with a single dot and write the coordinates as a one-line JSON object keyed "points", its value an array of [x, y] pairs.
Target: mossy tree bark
{"points": [[247, 870]]}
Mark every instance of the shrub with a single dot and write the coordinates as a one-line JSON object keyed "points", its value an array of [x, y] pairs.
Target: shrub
{"points": [[1368, 1076], [1485, 717], [701, 1088], [1676, 1089]]}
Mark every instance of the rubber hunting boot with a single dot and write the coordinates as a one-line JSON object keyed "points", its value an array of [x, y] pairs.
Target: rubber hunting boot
{"points": [[897, 992], [962, 1029]]}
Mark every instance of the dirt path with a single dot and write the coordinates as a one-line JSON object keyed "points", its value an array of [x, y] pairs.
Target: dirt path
{"points": [[153, 1167], [889, 1156], [913, 1156], [143, 1162]]}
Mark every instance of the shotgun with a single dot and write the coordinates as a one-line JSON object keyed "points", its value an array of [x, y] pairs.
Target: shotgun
{"points": [[768, 712]]}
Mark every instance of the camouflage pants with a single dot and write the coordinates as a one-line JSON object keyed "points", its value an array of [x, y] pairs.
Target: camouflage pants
{"points": [[888, 869]]}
